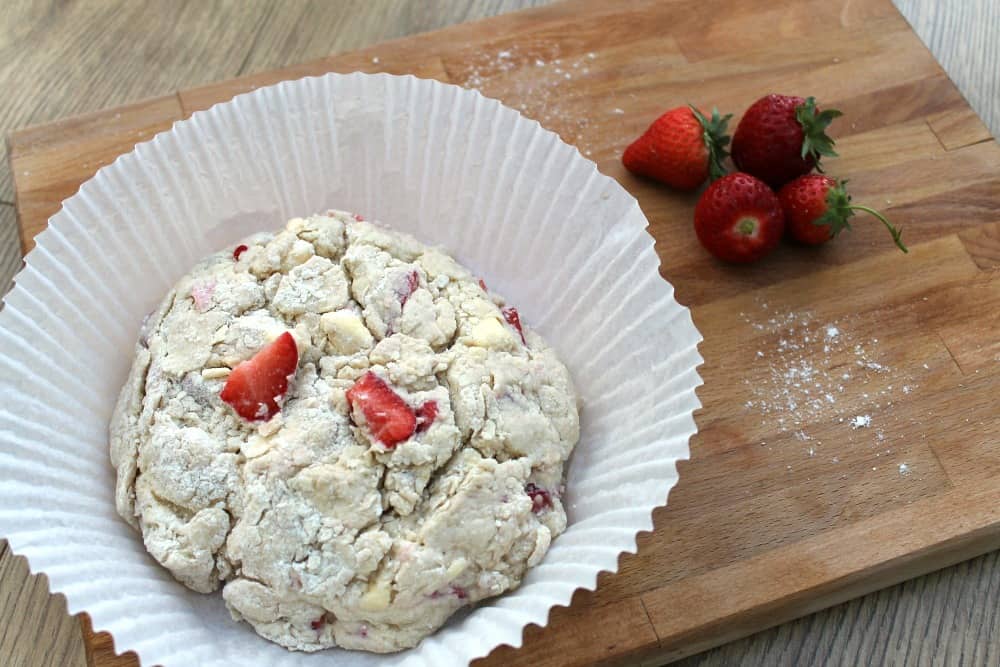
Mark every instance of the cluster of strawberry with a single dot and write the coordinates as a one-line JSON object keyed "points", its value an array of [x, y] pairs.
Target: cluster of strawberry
{"points": [[742, 216]]}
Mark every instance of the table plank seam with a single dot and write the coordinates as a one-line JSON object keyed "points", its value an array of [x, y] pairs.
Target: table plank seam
{"points": [[649, 619], [944, 146], [256, 39], [984, 140], [185, 114], [951, 354]]}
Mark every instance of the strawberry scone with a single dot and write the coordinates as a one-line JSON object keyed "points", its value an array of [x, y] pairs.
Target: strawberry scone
{"points": [[342, 429]]}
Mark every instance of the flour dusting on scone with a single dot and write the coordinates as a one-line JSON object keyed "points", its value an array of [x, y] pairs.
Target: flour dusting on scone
{"points": [[342, 429]]}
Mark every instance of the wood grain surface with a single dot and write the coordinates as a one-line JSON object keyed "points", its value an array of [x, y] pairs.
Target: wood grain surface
{"points": [[889, 627]]}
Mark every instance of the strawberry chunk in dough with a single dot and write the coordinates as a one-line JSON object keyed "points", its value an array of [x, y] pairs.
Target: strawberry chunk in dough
{"points": [[257, 386], [388, 416]]}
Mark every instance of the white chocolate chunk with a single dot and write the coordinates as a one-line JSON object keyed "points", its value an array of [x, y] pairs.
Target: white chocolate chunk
{"points": [[346, 333], [490, 332]]}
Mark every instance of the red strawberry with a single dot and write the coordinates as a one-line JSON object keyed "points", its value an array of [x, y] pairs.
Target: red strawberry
{"points": [[388, 416], [426, 414], [540, 498], [781, 137], [681, 148], [739, 218], [817, 208], [514, 319], [256, 386], [407, 290]]}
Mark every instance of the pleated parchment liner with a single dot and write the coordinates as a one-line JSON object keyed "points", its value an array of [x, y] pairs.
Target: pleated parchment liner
{"points": [[507, 198]]}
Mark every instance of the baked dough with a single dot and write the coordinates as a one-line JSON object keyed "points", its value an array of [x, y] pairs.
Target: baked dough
{"points": [[319, 533]]}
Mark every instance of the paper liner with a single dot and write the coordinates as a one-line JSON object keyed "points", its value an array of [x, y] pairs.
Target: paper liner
{"points": [[507, 198]]}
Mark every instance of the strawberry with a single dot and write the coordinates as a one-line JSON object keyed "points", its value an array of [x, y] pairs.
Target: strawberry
{"points": [[540, 498], [426, 414], [817, 208], [781, 137], [681, 148], [407, 290], [201, 294], [457, 591], [256, 387], [738, 218], [239, 250], [388, 416], [514, 319]]}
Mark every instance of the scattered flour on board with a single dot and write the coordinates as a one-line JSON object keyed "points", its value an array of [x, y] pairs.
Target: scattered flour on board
{"points": [[812, 372], [861, 421], [540, 84]]}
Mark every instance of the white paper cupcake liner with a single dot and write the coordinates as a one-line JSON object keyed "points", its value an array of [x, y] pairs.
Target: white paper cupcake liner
{"points": [[507, 198]]}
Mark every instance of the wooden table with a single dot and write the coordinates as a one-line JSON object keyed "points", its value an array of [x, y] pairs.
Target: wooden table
{"points": [[79, 58]]}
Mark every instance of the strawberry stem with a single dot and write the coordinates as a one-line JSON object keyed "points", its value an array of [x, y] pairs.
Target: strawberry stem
{"points": [[840, 209], [896, 233]]}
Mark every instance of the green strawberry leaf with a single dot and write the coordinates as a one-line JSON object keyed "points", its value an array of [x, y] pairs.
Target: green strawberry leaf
{"points": [[839, 211], [815, 141], [716, 140]]}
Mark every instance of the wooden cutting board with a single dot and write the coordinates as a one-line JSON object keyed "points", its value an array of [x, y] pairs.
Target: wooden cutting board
{"points": [[849, 436]]}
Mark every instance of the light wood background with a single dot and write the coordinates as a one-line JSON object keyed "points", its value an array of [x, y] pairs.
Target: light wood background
{"points": [[63, 58]]}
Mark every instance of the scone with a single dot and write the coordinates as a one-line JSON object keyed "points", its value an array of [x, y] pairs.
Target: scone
{"points": [[346, 432]]}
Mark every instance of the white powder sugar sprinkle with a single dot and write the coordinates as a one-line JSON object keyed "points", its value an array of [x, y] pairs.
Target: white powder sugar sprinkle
{"points": [[861, 421], [808, 373], [536, 80]]}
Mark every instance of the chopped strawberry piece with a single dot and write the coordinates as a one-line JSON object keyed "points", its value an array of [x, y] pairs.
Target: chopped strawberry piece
{"points": [[256, 386], [513, 319], [318, 623], [412, 283], [239, 250], [426, 414], [482, 283], [457, 591], [388, 416], [540, 498], [202, 293]]}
